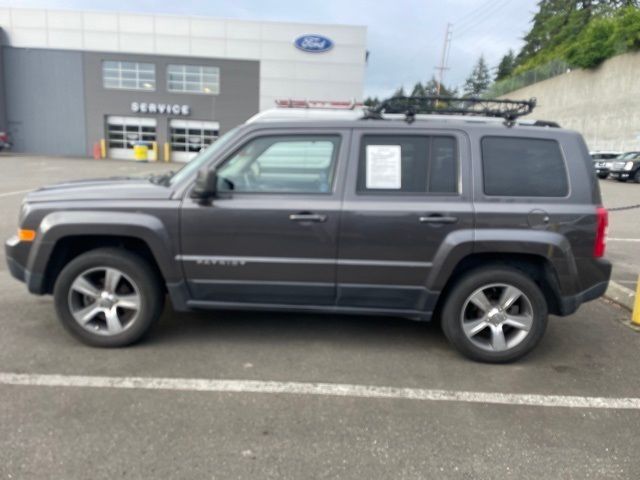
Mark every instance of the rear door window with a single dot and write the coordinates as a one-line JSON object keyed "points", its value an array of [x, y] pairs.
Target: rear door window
{"points": [[408, 164], [523, 167]]}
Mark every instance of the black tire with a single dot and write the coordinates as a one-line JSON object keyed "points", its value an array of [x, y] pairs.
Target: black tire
{"points": [[603, 175], [150, 294], [452, 323], [636, 177]]}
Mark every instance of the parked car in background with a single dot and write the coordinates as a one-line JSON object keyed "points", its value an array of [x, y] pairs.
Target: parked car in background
{"points": [[5, 142], [602, 162], [626, 167]]}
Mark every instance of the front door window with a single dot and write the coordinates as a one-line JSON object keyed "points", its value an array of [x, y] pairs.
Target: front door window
{"points": [[280, 164]]}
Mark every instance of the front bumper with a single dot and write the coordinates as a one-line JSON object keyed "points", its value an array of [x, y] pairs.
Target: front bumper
{"points": [[622, 175], [17, 271], [11, 251], [15, 251]]}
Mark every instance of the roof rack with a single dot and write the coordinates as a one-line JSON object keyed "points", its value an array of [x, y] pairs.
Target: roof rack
{"points": [[510, 110]]}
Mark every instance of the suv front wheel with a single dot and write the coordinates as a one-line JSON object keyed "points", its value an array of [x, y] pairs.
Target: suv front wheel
{"points": [[495, 314], [108, 297]]}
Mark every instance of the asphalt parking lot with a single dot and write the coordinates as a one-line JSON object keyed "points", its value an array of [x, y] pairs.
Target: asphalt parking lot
{"points": [[442, 416], [623, 247]]}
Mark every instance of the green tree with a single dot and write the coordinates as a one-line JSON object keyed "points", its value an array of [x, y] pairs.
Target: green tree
{"points": [[627, 32], [418, 90], [399, 93], [431, 88], [559, 25], [371, 102], [506, 65], [594, 45], [479, 80]]}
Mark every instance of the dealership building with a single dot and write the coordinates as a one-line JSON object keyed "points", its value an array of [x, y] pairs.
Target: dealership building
{"points": [[81, 83]]}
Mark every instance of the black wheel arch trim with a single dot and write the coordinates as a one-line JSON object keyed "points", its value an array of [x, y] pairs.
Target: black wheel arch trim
{"points": [[57, 226]]}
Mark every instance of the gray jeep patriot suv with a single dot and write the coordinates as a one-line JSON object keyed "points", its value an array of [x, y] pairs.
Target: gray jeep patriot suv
{"points": [[486, 225]]}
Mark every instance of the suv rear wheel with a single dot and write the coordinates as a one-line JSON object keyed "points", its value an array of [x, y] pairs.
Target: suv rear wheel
{"points": [[108, 297], [495, 314]]}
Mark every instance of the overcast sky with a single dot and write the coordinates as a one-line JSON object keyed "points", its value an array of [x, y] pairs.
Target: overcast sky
{"points": [[404, 36]]}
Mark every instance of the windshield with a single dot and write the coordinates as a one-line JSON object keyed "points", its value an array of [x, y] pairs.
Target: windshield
{"points": [[202, 158], [628, 156]]}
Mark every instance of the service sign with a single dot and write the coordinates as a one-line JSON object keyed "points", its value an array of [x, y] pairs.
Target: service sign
{"points": [[313, 43], [161, 108]]}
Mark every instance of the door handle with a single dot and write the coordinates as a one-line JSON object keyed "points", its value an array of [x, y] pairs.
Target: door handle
{"points": [[438, 219], [307, 217]]}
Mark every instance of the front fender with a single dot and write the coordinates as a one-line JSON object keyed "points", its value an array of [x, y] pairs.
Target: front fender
{"points": [[58, 225]]}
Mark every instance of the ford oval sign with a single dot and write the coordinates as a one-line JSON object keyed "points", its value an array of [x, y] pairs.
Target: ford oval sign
{"points": [[313, 43]]}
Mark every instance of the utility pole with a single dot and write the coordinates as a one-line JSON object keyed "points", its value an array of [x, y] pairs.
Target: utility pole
{"points": [[444, 58]]}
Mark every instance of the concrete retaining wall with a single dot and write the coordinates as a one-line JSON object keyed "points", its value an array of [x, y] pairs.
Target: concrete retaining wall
{"points": [[603, 104]]}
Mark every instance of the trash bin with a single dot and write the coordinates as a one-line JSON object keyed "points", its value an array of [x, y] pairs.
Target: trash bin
{"points": [[140, 152]]}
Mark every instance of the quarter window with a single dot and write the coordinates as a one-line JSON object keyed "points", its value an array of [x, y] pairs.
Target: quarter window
{"points": [[523, 167], [128, 75], [408, 164], [300, 164], [193, 79]]}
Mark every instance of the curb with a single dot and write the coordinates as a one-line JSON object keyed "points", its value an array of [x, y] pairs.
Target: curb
{"points": [[620, 295]]}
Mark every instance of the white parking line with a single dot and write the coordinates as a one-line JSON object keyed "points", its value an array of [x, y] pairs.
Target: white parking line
{"points": [[318, 389], [623, 239], [17, 192]]}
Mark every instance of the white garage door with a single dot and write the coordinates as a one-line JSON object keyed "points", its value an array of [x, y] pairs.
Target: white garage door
{"points": [[188, 137], [124, 132]]}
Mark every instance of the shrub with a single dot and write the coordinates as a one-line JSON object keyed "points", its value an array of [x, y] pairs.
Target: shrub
{"points": [[627, 33], [594, 44]]}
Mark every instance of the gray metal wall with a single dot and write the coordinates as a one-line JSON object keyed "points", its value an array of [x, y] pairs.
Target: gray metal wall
{"points": [[44, 95], [239, 96], [3, 108]]}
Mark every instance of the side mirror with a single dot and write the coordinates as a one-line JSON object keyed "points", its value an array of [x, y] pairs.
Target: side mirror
{"points": [[206, 184]]}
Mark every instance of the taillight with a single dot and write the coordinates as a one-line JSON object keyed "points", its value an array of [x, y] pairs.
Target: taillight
{"points": [[602, 222]]}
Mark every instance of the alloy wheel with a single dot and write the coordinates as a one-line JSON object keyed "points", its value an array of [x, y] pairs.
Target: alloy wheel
{"points": [[104, 301], [497, 317]]}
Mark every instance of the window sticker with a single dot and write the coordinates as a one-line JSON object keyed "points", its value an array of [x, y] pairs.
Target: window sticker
{"points": [[384, 167]]}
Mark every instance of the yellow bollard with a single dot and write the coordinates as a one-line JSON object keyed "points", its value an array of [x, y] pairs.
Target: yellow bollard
{"points": [[103, 148], [167, 152], [635, 315]]}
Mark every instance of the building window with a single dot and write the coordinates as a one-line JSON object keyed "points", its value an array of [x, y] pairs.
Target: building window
{"points": [[188, 137], [193, 79], [128, 75]]}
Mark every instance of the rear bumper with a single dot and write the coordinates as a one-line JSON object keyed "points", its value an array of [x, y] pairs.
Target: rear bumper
{"points": [[599, 274], [569, 305]]}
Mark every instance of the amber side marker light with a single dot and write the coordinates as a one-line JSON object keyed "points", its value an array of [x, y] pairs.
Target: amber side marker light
{"points": [[26, 235]]}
